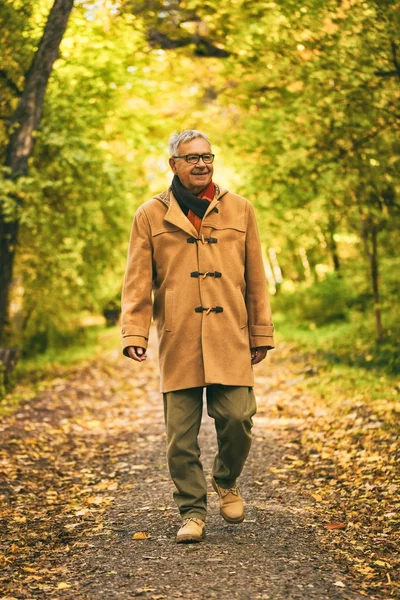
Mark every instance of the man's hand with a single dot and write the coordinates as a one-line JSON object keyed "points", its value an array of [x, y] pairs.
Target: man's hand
{"points": [[258, 354], [137, 353]]}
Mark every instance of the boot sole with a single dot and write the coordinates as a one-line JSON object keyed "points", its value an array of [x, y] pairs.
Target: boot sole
{"points": [[232, 521], [189, 539], [223, 515]]}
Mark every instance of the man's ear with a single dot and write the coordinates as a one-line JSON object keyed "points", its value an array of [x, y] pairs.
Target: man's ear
{"points": [[172, 164]]}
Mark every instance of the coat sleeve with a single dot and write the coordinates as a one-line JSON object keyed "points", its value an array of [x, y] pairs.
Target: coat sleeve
{"points": [[136, 304], [261, 329]]}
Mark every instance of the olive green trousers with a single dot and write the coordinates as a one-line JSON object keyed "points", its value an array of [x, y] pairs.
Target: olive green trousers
{"points": [[232, 409]]}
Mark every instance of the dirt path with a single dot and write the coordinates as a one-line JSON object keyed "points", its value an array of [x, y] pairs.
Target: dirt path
{"points": [[85, 470]]}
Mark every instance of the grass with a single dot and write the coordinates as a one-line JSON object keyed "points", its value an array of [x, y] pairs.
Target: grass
{"points": [[348, 343], [352, 370], [96, 338]]}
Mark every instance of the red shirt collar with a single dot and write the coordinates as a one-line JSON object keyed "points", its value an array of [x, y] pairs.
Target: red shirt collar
{"points": [[208, 193]]}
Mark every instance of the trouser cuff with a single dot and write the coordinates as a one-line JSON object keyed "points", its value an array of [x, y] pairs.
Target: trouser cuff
{"points": [[193, 515], [225, 483]]}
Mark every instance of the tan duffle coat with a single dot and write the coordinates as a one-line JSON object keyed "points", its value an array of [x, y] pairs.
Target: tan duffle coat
{"points": [[207, 291]]}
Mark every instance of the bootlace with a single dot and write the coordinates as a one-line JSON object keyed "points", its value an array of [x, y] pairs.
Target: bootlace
{"points": [[234, 491], [186, 521]]}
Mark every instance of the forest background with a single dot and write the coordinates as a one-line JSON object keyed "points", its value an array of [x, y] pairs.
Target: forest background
{"points": [[300, 102]]}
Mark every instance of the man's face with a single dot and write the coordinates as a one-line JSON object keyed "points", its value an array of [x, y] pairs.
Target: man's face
{"points": [[194, 178]]}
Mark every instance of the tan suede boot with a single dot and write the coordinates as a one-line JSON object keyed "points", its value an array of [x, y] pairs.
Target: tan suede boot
{"points": [[231, 505], [192, 530]]}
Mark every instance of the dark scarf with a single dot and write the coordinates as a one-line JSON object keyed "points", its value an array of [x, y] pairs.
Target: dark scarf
{"points": [[188, 201]]}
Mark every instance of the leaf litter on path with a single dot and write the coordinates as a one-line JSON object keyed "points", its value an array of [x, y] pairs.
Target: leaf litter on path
{"points": [[83, 462]]}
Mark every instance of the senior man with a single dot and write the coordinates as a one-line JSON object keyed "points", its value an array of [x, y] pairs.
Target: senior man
{"points": [[196, 248]]}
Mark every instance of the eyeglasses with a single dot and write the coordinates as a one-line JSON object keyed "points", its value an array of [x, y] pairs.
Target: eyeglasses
{"points": [[193, 159]]}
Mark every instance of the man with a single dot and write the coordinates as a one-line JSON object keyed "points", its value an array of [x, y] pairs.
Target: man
{"points": [[196, 248]]}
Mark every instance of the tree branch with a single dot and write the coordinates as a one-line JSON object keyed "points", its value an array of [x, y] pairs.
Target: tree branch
{"points": [[203, 46], [393, 72], [395, 60], [10, 83], [386, 73]]}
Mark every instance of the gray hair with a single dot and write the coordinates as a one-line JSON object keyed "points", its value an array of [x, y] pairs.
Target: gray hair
{"points": [[184, 136]]}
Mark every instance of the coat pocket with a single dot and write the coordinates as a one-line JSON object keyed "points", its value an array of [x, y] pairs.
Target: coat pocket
{"points": [[169, 310], [242, 308]]}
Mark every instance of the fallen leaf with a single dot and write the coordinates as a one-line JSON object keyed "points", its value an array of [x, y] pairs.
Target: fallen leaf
{"points": [[336, 526], [317, 497], [382, 563], [215, 560], [339, 584], [19, 520], [141, 535], [63, 585], [82, 512], [95, 500]]}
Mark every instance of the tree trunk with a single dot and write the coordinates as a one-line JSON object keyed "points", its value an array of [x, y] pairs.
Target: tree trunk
{"points": [[23, 124], [375, 283], [332, 245], [370, 229], [8, 241]]}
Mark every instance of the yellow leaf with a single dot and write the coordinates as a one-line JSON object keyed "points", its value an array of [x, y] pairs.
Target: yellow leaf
{"points": [[93, 424], [63, 585], [95, 500], [82, 512], [382, 563], [317, 497], [141, 535]]}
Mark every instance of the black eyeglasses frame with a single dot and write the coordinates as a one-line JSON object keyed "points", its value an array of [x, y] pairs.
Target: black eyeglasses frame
{"points": [[200, 156]]}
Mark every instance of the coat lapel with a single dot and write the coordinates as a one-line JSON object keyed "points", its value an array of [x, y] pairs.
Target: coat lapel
{"points": [[214, 203], [209, 210], [177, 217]]}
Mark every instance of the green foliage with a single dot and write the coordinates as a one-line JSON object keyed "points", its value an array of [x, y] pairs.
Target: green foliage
{"points": [[77, 203], [298, 99], [322, 302], [345, 343], [42, 335]]}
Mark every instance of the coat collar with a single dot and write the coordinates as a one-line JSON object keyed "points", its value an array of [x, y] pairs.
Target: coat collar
{"points": [[176, 216]]}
